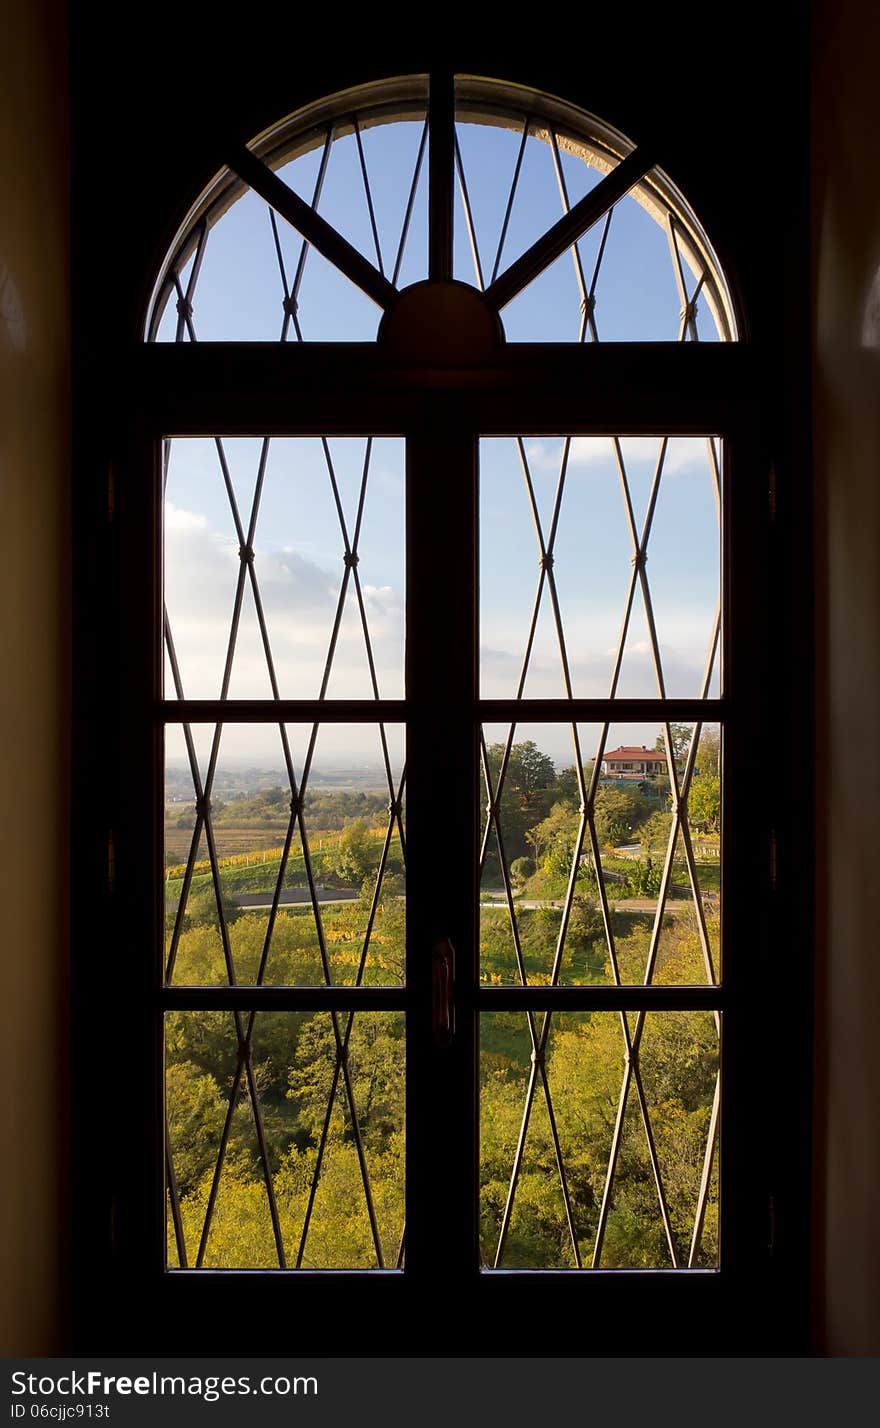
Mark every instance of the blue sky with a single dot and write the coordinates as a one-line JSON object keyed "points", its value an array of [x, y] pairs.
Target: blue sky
{"points": [[298, 542]]}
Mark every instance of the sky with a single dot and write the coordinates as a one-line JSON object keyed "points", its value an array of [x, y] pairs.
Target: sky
{"points": [[298, 542]]}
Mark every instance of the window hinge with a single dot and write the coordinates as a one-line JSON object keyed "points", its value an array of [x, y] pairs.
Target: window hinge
{"points": [[111, 494], [771, 494], [111, 862], [773, 860]]}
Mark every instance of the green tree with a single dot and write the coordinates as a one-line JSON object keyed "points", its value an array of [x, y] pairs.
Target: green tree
{"points": [[618, 812], [196, 1110], [708, 760], [585, 939], [568, 789], [357, 853], [704, 802], [644, 879], [376, 1069], [521, 869], [554, 839], [527, 793], [201, 908], [654, 832], [681, 741]]}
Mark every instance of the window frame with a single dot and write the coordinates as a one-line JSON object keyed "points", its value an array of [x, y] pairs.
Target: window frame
{"points": [[632, 388]]}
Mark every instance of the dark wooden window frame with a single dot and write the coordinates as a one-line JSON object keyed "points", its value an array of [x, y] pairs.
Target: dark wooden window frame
{"points": [[124, 1299]]}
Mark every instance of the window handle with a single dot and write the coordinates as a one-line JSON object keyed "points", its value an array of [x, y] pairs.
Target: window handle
{"points": [[443, 985]]}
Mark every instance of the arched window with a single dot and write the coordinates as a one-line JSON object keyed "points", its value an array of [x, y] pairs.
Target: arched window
{"points": [[446, 695], [520, 162]]}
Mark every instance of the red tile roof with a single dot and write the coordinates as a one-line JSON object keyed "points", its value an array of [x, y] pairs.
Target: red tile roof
{"points": [[632, 753]]}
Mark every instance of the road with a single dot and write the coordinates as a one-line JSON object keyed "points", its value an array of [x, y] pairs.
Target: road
{"points": [[290, 897], [295, 897], [675, 907]]}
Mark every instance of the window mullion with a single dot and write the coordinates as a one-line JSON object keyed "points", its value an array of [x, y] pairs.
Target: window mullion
{"points": [[441, 759]]}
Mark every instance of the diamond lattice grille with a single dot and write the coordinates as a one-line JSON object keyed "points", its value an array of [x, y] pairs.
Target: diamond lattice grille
{"points": [[323, 906], [591, 876], [615, 611], [613, 1162], [284, 581], [284, 568], [296, 1161], [317, 904], [334, 214]]}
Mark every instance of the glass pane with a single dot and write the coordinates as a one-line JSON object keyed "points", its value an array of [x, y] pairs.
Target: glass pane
{"points": [[583, 589], [285, 1140], [284, 567], [598, 866], [285, 854], [507, 196], [374, 191], [635, 276], [257, 280], [623, 281], [617, 1116], [643, 272]]}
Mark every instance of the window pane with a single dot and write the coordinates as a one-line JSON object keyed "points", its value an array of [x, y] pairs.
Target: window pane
{"points": [[597, 865], [285, 854], [617, 1116], [644, 271], [584, 590], [258, 280], [285, 1140], [284, 567]]}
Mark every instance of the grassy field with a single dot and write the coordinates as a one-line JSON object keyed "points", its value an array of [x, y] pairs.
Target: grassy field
{"points": [[230, 841], [259, 847], [259, 876]]}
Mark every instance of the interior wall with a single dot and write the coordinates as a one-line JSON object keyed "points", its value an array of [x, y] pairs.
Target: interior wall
{"points": [[34, 710], [34, 383], [846, 187]]}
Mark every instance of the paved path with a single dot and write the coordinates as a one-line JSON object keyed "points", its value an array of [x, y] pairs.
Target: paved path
{"points": [[295, 897], [290, 897], [675, 907]]}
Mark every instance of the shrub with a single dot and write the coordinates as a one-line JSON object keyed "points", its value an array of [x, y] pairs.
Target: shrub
{"points": [[521, 869]]}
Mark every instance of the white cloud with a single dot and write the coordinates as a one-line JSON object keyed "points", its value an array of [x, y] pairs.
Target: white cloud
{"points": [[178, 521], [683, 453], [299, 600], [683, 635]]}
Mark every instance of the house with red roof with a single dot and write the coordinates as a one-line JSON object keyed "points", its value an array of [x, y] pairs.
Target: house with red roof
{"points": [[631, 761]]}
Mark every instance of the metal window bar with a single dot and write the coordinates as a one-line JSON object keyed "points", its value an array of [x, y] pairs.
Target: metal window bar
{"points": [[368, 195], [174, 1200], [688, 314], [468, 216], [510, 200], [291, 294], [410, 204]]}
